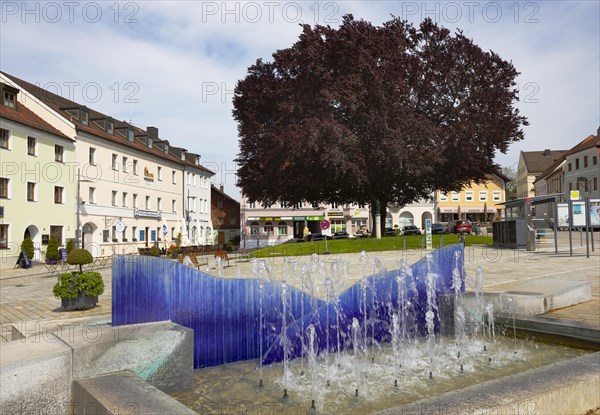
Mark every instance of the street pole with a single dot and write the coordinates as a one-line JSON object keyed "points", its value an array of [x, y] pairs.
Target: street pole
{"points": [[377, 220], [78, 238]]}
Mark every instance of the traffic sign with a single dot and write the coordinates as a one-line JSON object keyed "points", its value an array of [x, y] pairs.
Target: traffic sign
{"points": [[324, 224], [164, 229], [574, 194]]}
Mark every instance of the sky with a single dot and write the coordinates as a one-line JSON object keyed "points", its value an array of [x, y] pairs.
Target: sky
{"points": [[174, 64]]}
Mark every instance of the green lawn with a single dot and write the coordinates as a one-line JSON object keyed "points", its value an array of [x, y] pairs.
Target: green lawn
{"points": [[388, 243]]}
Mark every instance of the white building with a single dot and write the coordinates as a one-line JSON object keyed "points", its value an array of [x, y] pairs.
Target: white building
{"points": [[581, 169], [133, 186]]}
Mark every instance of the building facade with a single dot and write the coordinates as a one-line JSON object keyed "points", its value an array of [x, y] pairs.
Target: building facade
{"points": [[477, 202], [531, 165], [225, 217], [581, 168], [131, 189], [37, 180]]}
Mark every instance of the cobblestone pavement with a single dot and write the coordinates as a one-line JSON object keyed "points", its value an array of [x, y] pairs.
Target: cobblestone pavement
{"points": [[26, 295]]}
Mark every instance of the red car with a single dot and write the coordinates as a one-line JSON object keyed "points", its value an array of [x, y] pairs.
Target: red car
{"points": [[462, 226]]}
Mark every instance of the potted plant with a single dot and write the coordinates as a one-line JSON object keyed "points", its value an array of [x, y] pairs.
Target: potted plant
{"points": [[70, 246], [79, 290], [52, 254], [27, 247]]}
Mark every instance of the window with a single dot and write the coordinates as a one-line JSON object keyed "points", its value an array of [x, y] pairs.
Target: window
{"points": [[192, 204], [252, 205], [269, 228], [443, 197], [92, 155], [576, 164], [232, 221], [585, 184], [496, 195], [142, 235], [147, 202], [173, 206], [59, 152], [124, 199], [594, 160], [4, 134], [159, 173], [31, 146], [84, 117], [469, 196], [136, 169], [174, 177], [219, 204], [31, 190], [585, 161], [595, 183], [282, 228], [57, 232], [134, 233], [58, 195], [92, 195], [483, 196], [3, 236], [125, 169], [254, 229], [9, 99], [189, 177], [570, 167], [130, 135], [114, 234], [4, 188], [110, 127], [115, 163], [105, 235], [114, 198], [221, 221], [159, 203], [135, 204], [455, 197]]}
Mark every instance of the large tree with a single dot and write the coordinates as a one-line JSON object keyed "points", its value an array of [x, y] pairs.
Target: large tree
{"points": [[378, 115]]}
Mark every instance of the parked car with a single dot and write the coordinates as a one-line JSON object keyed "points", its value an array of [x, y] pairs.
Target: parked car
{"points": [[390, 232], [462, 226], [411, 230], [362, 233], [437, 228], [341, 235], [317, 237]]}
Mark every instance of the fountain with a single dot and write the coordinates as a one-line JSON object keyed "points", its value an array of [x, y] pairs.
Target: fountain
{"points": [[374, 345]]}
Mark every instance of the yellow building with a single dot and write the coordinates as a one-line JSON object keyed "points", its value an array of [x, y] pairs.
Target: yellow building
{"points": [[477, 202]]}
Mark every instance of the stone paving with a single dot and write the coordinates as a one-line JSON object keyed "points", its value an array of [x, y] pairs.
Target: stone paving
{"points": [[26, 295]]}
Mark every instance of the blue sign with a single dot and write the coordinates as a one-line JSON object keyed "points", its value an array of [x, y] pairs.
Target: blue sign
{"points": [[164, 228]]}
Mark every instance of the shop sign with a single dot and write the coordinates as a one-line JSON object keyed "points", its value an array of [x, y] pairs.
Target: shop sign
{"points": [[137, 213], [315, 217], [269, 219]]}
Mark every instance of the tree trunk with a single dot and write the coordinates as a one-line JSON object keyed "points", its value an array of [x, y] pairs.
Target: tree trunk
{"points": [[382, 212]]}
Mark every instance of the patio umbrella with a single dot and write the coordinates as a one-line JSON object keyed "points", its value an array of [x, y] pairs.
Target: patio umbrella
{"points": [[197, 236], [164, 225], [183, 231]]}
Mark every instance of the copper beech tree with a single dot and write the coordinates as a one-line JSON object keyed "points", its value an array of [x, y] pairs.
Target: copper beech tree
{"points": [[373, 115]]}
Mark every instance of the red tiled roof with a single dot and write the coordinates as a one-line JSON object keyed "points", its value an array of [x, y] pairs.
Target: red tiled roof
{"points": [[59, 104], [23, 115], [588, 142]]}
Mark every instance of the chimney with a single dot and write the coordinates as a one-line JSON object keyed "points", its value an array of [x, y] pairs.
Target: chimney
{"points": [[546, 152], [152, 133], [221, 188]]}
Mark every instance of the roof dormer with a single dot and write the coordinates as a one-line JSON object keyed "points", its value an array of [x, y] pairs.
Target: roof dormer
{"points": [[81, 114], [126, 131], [9, 95], [106, 123]]}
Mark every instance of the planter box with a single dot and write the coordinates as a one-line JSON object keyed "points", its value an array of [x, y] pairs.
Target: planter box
{"points": [[82, 302]]}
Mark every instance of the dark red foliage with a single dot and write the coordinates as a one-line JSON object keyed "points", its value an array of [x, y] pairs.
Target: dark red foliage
{"points": [[364, 113]]}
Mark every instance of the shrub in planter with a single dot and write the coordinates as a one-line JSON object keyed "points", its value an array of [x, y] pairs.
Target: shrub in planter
{"points": [[27, 247], [52, 250], [79, 290], [70, 246], [154, 251], [80, 257]]}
